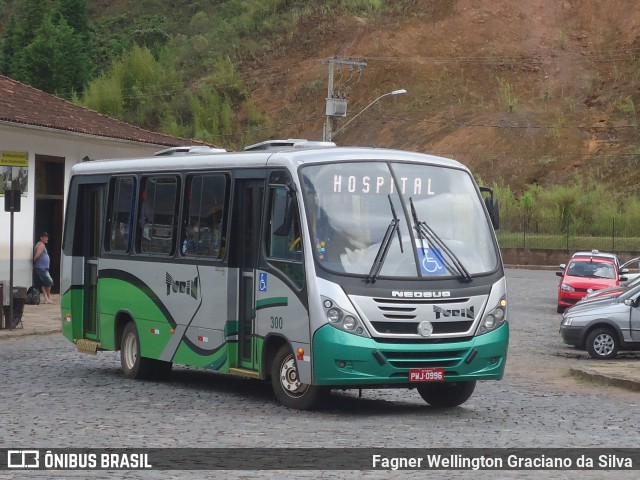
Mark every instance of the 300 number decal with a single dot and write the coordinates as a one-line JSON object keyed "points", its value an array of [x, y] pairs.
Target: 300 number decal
{"points": [[276, 323]]}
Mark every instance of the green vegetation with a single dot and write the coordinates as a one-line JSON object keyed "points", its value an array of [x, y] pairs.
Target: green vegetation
{"points": [[46, 45], [175, 73], [506, 95], [174, 66], [583, 215]]}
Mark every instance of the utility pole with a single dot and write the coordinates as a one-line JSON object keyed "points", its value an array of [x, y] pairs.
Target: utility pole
{"points": [[336, 102]]}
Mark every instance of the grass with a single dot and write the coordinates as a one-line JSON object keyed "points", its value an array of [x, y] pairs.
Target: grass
{"points": [[506, 94]]}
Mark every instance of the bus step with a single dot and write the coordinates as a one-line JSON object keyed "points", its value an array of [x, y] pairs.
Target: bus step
{"points": [[87, 346], [245, 373]]}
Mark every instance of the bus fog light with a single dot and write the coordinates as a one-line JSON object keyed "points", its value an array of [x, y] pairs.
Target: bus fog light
{"points": [[328, 304], [341, 364], [349, 322]]}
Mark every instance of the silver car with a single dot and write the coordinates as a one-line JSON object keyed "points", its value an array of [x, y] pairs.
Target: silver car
{"points": [[604, 325]]}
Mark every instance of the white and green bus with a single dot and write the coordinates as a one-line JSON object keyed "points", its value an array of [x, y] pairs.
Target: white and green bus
{"points": [[313, 266]]}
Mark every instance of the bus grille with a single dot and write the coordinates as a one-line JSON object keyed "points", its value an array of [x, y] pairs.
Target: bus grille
{"points": [[406, 360], [411, 328], [399, 318]]}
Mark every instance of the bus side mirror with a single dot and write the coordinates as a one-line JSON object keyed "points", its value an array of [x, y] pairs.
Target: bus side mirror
{"points": [[282, 213], [493, 209]]}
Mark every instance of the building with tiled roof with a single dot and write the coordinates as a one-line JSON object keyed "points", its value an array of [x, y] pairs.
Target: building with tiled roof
{"points": [[41, 138]]}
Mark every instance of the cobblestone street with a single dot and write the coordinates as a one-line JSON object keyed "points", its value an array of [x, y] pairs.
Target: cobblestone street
{"points": [[54, 397]]}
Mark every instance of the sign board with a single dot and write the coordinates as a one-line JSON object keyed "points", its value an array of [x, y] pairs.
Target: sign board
{"points": [[14, 159], [14, 170]]}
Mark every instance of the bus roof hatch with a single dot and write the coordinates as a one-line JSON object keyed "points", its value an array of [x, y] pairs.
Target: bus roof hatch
{"points": [[297, 143], [193, 150]]}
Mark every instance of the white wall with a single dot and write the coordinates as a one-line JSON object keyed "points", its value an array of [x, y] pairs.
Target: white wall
{"points": [[73, 148]]}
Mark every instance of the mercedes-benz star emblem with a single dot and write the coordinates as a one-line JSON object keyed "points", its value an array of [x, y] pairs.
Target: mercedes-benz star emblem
{"points": [[425, 328]]}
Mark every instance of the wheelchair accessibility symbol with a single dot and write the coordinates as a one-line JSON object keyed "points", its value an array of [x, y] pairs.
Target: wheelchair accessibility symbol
{"points": [[431, 261], [262, 286]]}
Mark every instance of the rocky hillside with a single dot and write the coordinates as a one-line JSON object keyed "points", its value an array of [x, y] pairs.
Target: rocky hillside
{"points": [[541, 91]]}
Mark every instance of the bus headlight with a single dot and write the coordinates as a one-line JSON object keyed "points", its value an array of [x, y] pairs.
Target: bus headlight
{"points": [[493, 318], [342, 319], [349, 322], [334, 315]]}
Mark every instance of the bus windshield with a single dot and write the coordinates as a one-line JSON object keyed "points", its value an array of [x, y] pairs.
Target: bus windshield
{"points": [[392, 219]]}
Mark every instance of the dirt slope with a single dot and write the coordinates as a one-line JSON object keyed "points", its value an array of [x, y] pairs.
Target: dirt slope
{"points": [[528, 92]]}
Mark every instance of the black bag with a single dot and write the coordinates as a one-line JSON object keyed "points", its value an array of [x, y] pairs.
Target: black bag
{"points": [[33, 296]]}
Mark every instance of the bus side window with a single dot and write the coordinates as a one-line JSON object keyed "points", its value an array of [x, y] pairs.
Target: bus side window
{"points": [[289, 245], [284, 251], [157, 215], [118, 233], [206, 203]]}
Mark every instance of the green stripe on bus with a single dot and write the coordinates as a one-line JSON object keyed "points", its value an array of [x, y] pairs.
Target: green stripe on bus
{"points": [[272, 302]]}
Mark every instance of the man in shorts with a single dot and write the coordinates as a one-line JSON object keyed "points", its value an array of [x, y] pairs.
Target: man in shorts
{"points": [[41, 263]]}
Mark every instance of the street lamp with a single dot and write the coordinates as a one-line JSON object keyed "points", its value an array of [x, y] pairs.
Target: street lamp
{"points": [[395, 92]]}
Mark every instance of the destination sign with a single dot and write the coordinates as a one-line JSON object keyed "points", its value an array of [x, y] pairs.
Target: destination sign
{"points": [[368, 184]]}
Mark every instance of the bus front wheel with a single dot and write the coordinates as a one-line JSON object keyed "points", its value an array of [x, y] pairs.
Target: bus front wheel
{"points": [[133, 365], [446, 395], [287, 387]]}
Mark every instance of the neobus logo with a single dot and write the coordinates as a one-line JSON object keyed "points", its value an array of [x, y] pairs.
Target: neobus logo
{"points": [[188, 287], [409, 294]]}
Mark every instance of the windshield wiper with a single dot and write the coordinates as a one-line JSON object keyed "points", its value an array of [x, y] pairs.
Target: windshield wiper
{"points": [[394, 227], [425, 232]]}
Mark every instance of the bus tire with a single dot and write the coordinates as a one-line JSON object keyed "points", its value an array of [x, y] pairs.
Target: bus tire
{"points": [[446, 395], [133, 365], [287, 387]]}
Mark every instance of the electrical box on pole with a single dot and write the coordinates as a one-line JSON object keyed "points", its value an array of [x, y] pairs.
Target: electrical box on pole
{"points": [[336, 104], [337, 107]]}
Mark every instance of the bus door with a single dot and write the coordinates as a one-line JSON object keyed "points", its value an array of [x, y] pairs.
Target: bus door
{"points": [[248, 215], [91, 201]]}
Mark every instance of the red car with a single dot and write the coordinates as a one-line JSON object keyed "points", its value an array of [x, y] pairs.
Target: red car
{"points": [[587, 272]]}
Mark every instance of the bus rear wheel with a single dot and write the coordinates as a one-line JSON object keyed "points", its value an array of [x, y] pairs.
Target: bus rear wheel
{"points": [[287, 387], [133, 365], [446, 395]]}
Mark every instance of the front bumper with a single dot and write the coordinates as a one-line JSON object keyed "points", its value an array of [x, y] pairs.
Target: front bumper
{"points": [[569, 299], [344, 360], [572, 335]]}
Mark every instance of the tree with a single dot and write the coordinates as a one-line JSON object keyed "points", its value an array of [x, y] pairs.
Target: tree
{"points": [[46, 45], [75, 14], [54, 61]]}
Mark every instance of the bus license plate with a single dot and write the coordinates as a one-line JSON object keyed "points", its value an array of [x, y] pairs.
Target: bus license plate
{"points": [[426, 375]]}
